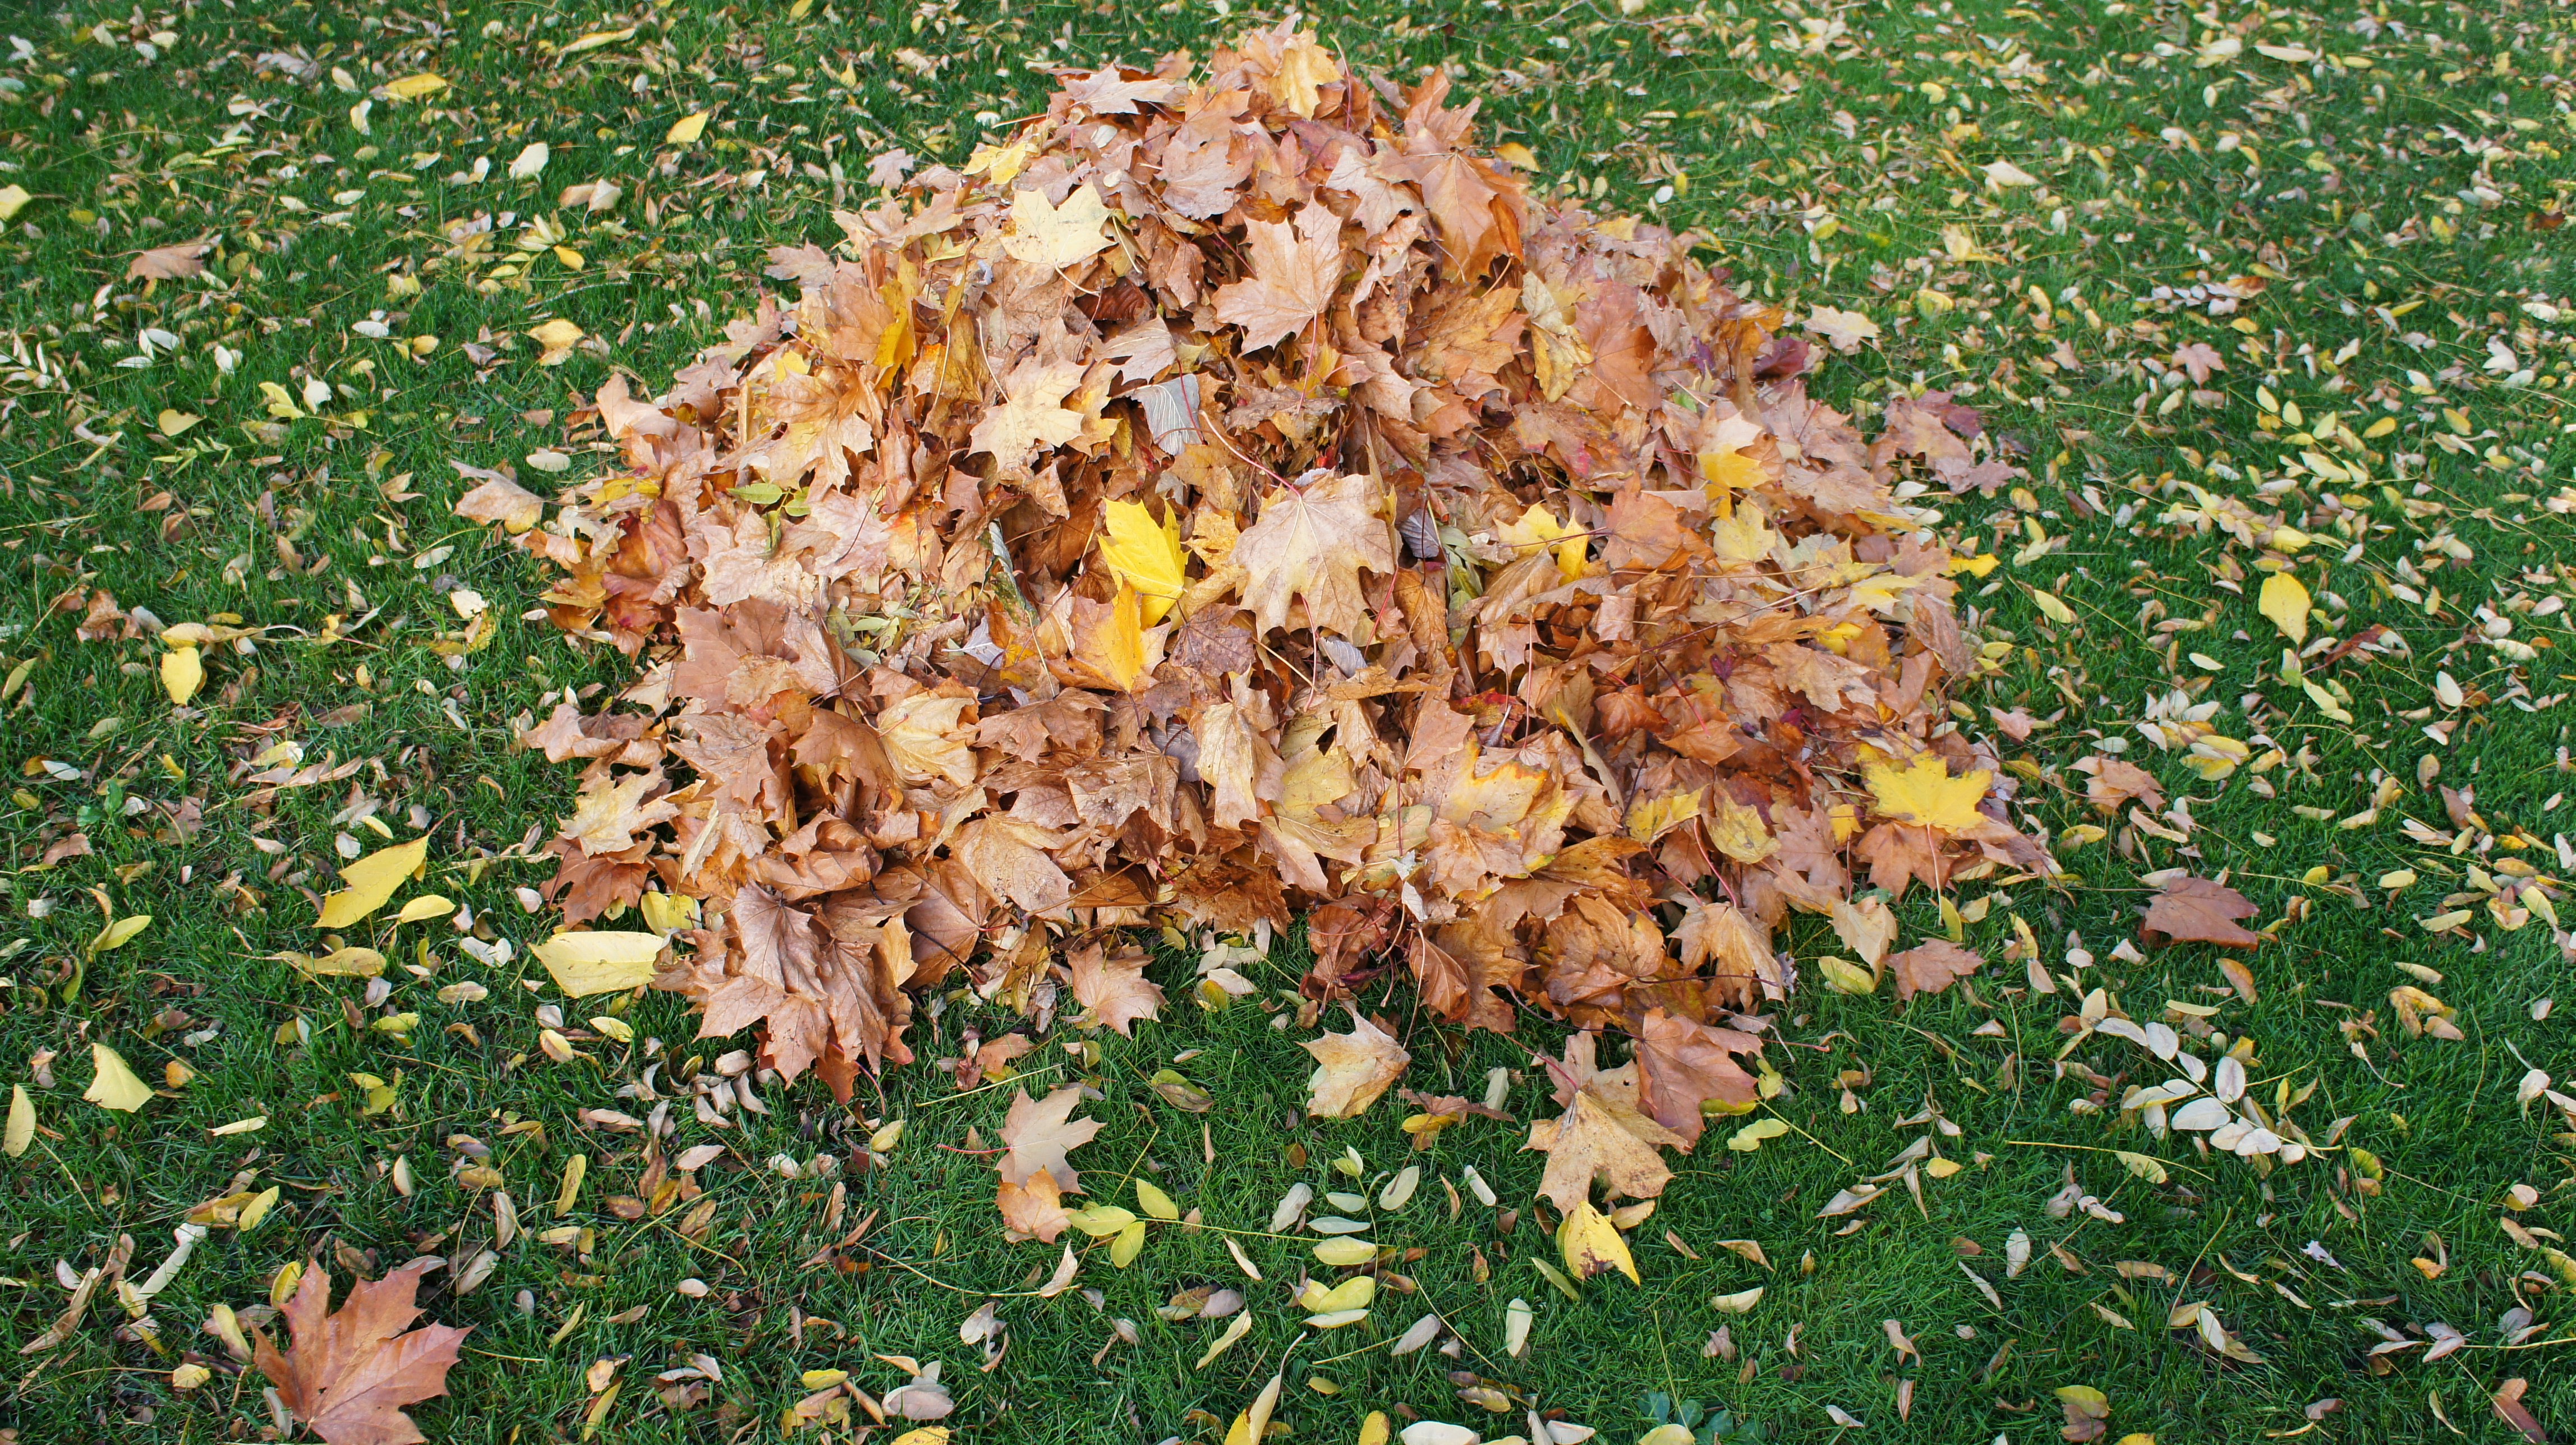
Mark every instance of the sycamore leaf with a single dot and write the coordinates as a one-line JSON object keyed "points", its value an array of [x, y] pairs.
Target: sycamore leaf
{"points": [[372, 880], [1031, 416], [1683, 1065], [1311, 546], [1352, 1069], [1932, 967], [2285, 601], [2199, 910], [112, 1085], [1924, 793], [584, 963], [1602, 1137], [1145, 556], [348, 1372], [1034, 1207], [1591, 1244], [1037, 1134], [1115, 990], [1057, 236], [1294, 275]]}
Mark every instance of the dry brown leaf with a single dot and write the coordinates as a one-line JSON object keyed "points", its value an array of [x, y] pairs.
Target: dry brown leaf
{"points": [[1310, 546], [175, 262], [1352, 1069], [2200, 910], [348, 1372], [1037, 1134], [1599, 1136], [1114, 989], [1932, 967]]}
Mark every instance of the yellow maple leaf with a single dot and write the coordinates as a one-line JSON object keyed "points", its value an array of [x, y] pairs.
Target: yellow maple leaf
{"points": [[1145, 556], [1538, 527], [1923, 792], [1117, 648]]}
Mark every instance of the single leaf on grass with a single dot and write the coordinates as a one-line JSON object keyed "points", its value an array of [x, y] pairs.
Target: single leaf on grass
{"points": [[112, 1085], [120, 933], [2285, 601], [1352, 1069], [1683, 1066], [1038, 1133], [416, 87], [1034, 1207], [1601, 1137], [182, 672], [1932, 967], [687, 129], [372, 880], [586, 962], [1115, 990], [175, 262], [431, 905], [348, 1372], [22, 1122], [2201, 910], [1751, 1136]]}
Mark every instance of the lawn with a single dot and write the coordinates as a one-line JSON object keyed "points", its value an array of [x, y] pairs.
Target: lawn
{"points": [[2240, 291]]}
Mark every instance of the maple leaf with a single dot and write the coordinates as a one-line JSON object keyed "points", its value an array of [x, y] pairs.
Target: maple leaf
{"points": [[1311, 545], [1932, 967], [2199, 359], [2201, 910], [1034, 1208], [1112, 643], [1145, 556], [1108, 91], [1115, 989], [1843, 330], [1682, 1065], [1601, 1138], [1038, 1133], [1924, 793], [1057, 236], [2113, 782], [1352, 1069], [175, 262], [1294, 274], [1031, 416], [348, 1372]]}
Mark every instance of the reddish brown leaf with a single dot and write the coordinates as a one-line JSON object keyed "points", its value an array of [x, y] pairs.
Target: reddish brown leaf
{"points": [[2199, 910], [348, 1372]]}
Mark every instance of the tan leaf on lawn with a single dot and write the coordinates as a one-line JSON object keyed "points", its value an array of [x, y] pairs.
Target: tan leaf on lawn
{"points": [[1352, 1069], [348, 1372]]}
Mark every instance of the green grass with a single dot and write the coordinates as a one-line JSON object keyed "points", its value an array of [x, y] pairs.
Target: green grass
{"points": [[1826, 161]]}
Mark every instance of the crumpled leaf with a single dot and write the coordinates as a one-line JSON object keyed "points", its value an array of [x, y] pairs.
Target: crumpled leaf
{"points": [[1352, 1069], [2200, 910]]}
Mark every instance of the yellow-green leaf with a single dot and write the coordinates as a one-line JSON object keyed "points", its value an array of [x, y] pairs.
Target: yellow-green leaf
{"points": [[120, 933], [1101, 1220], [22, 1122], [1345, 1252], [2285, 601], [1130, 1243], [113, 1085], [1156, 1202], [371, 881], [1750, 1137], [13, 198], [2053, 607], [173, 421], [588, 963], [1740, 1302], [2145, 1166], [338, 963], [1844, 976], [257, 1210], [1145, 556], [687, 129], [416, 87], [182, 671]]}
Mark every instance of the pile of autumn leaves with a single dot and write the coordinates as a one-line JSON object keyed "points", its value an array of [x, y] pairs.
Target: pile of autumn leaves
{"points": [[1235, 499]]}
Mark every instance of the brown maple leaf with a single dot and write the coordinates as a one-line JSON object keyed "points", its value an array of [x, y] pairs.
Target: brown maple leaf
{"points": [[1031, 416], [1034, 1208], [2111, 782], [1115, 989], [1601, 1137], [1310, 545], [1352, 1069], [1039, 1132], [2201, 910], [348, 1372], [1682, 1065], [1294, 274], [1931, 967], [175, 262]]}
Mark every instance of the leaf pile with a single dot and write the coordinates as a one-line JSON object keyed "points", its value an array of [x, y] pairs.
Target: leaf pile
{"points": [[1237, 498]]}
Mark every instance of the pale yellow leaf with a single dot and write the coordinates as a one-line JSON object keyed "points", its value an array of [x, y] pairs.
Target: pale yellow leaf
{"points": [[182, 671], [415, 87], [2285, 601], [22, 1122], [113, 1085], [589, 962], [686, 129]]}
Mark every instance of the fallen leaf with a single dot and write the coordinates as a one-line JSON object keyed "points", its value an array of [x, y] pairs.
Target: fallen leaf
{"points": [[1310, 546], [1923, 792], [348, 1372], [372, 881], [1352, 1069], [1932, 967], [2198, 910], [112, 1085], [1591, 1244], [1038, 1133], [1294, 274], [1115, 990], [584, 962], [175, 262], [2285, 601], [1057, 236]]}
